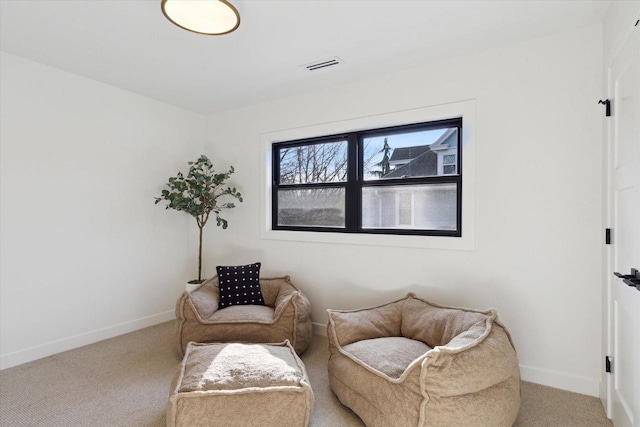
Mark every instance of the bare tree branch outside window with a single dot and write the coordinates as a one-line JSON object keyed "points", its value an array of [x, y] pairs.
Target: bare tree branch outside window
{"points": [[316, 163]]}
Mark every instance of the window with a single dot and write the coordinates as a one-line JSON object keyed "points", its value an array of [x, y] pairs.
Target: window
{"points": [[449, 164], [396, 180]]}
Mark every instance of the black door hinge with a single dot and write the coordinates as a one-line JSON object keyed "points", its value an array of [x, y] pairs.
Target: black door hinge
{"points": [[607, 236], [607, 105], [607, 364]]}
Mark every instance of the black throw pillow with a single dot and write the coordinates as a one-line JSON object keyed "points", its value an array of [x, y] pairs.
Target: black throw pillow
{"points": [[239, 285]]}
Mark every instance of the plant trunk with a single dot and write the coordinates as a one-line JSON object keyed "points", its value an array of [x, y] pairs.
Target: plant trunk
{"points": [[200, 256]]}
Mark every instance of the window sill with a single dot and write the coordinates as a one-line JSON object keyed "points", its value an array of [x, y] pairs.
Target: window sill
{"points": [[424, 242]]}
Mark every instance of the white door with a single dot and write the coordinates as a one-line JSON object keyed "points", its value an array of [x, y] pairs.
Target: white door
{"points": [[623, 388]]}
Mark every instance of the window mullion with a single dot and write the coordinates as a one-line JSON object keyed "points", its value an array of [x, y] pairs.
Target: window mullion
{"points": [[352, 199]]}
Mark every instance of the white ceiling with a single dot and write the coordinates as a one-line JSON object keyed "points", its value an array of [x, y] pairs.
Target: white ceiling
{"points": [[131, 45]]}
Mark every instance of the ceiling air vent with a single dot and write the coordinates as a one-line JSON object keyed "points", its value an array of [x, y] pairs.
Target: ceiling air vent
{"points": [[319, 65]]}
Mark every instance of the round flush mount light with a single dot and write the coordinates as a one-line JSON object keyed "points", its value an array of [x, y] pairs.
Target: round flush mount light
{"points": [[210, 17]]}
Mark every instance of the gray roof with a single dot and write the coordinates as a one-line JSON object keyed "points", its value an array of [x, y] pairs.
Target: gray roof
{"points": [[425, 164], [419, 160], [408, 153]]}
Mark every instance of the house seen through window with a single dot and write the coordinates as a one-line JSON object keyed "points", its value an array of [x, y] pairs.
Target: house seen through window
{"points": [[399, 180]]}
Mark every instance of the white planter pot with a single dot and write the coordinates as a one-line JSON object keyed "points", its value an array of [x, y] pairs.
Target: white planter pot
{"points": [[192, 286]]}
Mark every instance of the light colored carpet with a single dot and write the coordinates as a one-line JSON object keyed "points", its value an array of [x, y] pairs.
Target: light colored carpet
{"points": [[124, 381]]}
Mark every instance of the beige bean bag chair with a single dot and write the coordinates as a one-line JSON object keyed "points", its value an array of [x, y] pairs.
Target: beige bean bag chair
{"points": [[415, 363], [286, 315]]}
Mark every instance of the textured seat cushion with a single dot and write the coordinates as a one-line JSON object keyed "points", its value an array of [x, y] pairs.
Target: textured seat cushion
{"points": [[240, 385], [244, 314], [237, 366], [389, 355]]}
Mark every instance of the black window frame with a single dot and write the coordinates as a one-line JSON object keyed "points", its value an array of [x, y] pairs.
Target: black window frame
{"points": [[355, 182]]}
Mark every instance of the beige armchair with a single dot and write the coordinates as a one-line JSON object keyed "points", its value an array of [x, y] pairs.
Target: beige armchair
{"points": [[414, 363], [285, 315]]}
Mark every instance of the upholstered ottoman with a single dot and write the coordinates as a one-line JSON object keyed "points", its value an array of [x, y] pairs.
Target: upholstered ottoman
{"points": [[244, 385]]}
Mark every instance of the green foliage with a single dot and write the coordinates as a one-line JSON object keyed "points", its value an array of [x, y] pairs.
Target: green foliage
{"points": [[199, 194]]}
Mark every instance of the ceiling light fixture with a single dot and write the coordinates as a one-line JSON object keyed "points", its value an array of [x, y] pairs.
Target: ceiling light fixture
{"points": [[210, 17]]}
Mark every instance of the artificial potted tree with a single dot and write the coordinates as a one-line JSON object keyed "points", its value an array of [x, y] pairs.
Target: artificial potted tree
{"points": [[198, 194]]}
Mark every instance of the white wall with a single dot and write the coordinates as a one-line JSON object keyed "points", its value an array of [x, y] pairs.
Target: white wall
{"points": [[618, 23], [538, 197], [86, 254]]}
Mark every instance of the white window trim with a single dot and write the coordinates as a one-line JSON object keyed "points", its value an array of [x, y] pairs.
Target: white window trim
{"points": [[465, 109]]}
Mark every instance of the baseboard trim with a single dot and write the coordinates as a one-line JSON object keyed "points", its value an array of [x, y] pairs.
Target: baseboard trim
{"points": [[319, 329], [561, 380], [555, 379], [47, 349]]}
